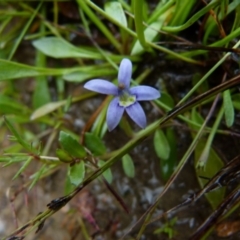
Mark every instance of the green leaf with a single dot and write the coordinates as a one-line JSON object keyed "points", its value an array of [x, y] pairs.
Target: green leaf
{"points": [[47, 108], [228, 108], [212, 166], [106, 174], [76, 173], [12, 70], [128, 166], [21, 141], [150, 33], [69, 187], [167, 167], [167, 99], [85, 7], [59, 48], [81, 76], [24, 166], [182, 10], [236, 101], [115, 10], [196, 117], [9, 105], [161, 145], [36, 176], [41, 93], [13, 158], [137, 7], [63, 156], [203, 87], [94, 144], [71, 145]]}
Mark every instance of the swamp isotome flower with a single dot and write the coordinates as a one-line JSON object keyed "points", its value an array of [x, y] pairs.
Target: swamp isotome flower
{"points": [[126, 98]]}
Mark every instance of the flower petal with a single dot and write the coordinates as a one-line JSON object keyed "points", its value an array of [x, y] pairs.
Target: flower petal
{"points": [[101, 86], [144, 93], [125, 72], [114, 114], [137, 114]]}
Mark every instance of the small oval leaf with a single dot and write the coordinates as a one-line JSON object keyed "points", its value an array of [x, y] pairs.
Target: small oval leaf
{"points": [[76, 173], [115, 10], [63, 156], [228, 108], [167, 99], [213, 165], [167, 167], [47, 108], [71, 145], [94, 144], [128, 166], [108, 173], [150, 33], [161, 145], [59, 48]]}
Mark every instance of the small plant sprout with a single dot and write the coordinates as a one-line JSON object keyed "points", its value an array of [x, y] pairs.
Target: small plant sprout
{"points": [[126, 98]]}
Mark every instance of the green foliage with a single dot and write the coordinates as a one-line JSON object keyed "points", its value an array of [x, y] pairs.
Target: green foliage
{"points": [[168, 228], [18, 136], [69, 187], [107, 174], [76, 173], [228, 108], [59, 48], [236, 101], [212, 166], [161, 145], [63, 155], [207, 163], [150, 33], [128, 166], [71, 145], [44, 62], [115, 9], [24, 166], [167, 99], [10, 105], [37, 175], [94, 144], [138, 14], [181, 11], [41, 94], [165, 148], [47, 108], [12, 70]]}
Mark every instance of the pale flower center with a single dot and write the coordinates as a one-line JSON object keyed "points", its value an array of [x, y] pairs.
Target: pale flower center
{"points": [[125, 99]]}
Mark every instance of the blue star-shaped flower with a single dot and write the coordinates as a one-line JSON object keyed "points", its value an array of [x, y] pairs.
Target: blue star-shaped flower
{"points": [[126, 98]]}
